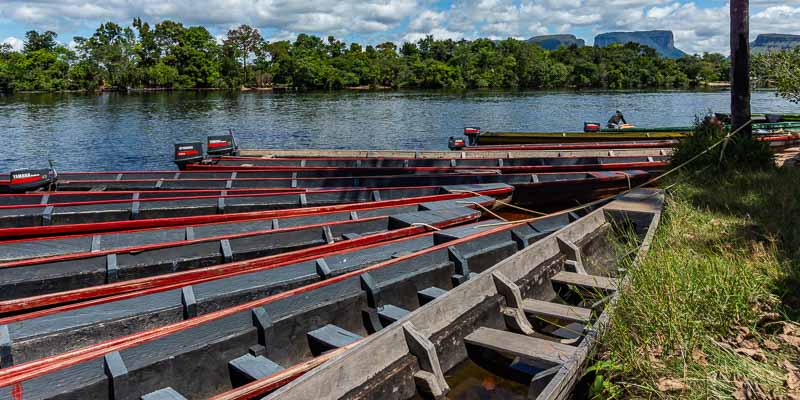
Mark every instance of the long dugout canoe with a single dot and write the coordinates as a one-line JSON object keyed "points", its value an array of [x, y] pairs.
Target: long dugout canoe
{"points": [[457, 192], [285, 180], [499, 138], [253, 239], [159, 208], [565, 164], [56, 197], [233, 181], [215, 350], [433, 154], [478, 138], [774, 140], [611, 148], [46, 247], [765, 127], [764, 117], [533, 190], [531, 319], [378, 164]]}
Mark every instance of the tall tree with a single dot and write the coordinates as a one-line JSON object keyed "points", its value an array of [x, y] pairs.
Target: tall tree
{"points": [[246, 40], [740, 59], [112, 48], [40, 41]]}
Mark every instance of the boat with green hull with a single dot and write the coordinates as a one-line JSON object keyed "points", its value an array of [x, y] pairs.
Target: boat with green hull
{"points": [[493, 138], [765, 117], [478, 138], [764, 126]]}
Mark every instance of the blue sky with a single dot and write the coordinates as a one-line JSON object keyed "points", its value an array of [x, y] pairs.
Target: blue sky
{"points": [[698, 25]]}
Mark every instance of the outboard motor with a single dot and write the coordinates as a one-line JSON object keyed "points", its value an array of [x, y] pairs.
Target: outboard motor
{"points": [[456, 143], [188, 153], [27, 180], [472, 133], [223, 145], [591, 127]]}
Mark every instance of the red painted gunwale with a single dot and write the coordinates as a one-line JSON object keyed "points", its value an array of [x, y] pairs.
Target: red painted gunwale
{"points": [[174, 280], [18, 374], [173, 221], [146, 200], [395, 170]]}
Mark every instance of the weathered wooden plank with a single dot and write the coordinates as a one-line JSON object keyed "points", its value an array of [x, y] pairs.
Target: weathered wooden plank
{"points": [[520, 345], [586, 281], [556, 310]]}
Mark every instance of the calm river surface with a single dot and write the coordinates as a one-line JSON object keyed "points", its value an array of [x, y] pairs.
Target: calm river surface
{"points": [[120, 131]]}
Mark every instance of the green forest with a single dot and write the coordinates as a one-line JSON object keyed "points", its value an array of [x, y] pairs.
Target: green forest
{"points": [[169, 55]]}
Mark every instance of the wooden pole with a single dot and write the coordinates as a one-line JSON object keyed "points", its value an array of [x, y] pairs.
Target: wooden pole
{"points": [[740, 65]]}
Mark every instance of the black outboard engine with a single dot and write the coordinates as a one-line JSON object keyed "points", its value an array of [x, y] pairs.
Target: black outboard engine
{"points": [[223, 145], [472, 133], [27, 180], [188, 153], [456, 143]]}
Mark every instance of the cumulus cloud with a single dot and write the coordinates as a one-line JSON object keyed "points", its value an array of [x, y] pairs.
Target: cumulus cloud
{"points": [[15, 43], [697, 26], [349, 16]]}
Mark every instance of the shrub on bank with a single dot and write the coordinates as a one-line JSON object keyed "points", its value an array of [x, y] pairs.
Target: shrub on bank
{"points": [[739, 152]]}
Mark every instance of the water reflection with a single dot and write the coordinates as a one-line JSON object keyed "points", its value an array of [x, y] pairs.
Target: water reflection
{"points": [[117, 131]]}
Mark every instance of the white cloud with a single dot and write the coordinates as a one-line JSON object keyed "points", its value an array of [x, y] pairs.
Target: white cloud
{"points": [[313, 16], [15, 43], [698, 26]]}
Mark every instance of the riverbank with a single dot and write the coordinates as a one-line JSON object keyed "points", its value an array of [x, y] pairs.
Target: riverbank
{"points": [[706, 314]]}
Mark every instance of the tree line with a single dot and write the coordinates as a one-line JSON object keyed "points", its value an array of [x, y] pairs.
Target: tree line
{"points": [[779, 69], [169, 55]]}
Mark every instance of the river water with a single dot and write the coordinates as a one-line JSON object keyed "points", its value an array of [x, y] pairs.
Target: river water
{"points": [[136, 131]]}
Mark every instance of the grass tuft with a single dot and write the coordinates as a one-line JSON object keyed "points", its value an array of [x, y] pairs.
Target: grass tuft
{"points": [[698, 319]]}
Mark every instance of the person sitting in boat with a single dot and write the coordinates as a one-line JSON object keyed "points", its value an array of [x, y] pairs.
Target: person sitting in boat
{"points": [[617, 120]]}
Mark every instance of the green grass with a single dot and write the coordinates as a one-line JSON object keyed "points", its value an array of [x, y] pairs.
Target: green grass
{"points": [[724, 261]]}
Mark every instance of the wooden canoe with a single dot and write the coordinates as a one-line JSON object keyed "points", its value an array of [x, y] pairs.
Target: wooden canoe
{"points": [[533, 318], [209, 351]]}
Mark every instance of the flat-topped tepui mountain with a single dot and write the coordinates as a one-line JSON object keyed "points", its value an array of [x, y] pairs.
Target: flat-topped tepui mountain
{"points": [[662, 41], [774, 42], [553, 42]]}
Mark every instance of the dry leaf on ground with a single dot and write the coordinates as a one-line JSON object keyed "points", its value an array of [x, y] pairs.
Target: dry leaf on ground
{"points": [[755, 354], [790, 339], [791, 329], [792, 380], [768, 317], [671, 385], [749, 391], [769, 344], [699, 357]]}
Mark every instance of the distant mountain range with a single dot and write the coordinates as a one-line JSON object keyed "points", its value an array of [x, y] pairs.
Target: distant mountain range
{"points": [[774, 42], [553, 42], [662, 41]]}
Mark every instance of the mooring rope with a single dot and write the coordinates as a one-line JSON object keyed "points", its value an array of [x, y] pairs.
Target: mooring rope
{"points": [[426, 225], [529, 211], [483, 208]]}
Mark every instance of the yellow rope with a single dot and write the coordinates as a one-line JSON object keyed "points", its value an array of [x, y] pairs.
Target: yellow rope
{"points": [[483, 207], [529, 211], [426, 225]]}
